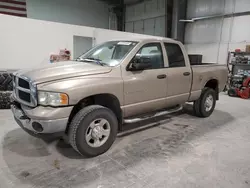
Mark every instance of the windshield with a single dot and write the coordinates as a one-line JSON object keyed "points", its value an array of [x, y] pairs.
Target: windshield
{"points": [[109, 53]]}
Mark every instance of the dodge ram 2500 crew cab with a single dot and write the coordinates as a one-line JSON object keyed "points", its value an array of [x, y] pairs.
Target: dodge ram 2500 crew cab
{"points": [[90, 98]]}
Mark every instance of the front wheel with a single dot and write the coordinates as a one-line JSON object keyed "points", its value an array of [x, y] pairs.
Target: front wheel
{"points": [[93, 130], [204, 106]]}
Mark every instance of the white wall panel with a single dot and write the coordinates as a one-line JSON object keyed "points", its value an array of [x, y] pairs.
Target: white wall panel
{"points": [[32, 44], [227, 24], [209, 51], [199, 8], [222, 53], [189, 34], [209, 31], [242, 5], [204, 31], [229, 6], [241, 29], [215, 37]]}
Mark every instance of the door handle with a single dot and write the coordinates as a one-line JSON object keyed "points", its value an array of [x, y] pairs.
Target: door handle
{"points": [[161, 76], [186, 73]]}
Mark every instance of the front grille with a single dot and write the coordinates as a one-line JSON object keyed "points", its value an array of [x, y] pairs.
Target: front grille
{"points": [[23, 83], [24, 91], [24, 96]]}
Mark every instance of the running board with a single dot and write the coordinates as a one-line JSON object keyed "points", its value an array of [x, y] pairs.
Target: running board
{"points": [[157, 114]]}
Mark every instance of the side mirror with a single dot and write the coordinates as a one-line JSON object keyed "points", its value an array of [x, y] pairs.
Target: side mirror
{"points": [[140, 63]]}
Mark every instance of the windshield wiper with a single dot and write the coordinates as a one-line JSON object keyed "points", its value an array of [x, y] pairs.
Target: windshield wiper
{"points": [[97, 61]]}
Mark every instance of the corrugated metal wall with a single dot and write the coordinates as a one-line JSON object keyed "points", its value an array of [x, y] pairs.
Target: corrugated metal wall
{"points": [[92, 13], [215, 37], [147, 17]]}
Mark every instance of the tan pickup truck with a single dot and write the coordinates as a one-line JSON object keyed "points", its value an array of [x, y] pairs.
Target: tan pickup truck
{"points": [[89, 99]]}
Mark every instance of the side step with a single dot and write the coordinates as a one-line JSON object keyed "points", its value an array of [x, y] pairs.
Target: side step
{"points": [[152, 115]]}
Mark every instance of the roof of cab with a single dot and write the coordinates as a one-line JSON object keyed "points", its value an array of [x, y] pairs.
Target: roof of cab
{"points": [[146, 39]]}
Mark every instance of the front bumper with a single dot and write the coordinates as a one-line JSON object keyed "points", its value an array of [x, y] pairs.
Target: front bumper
{"points": [[52, 120]]}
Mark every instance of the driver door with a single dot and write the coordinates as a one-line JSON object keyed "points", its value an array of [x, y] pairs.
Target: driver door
{"points": [[145, 91]]}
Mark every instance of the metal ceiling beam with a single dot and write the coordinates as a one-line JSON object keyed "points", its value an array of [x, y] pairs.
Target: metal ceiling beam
{"points": [[112, 2], [126, 2], [132, 2], [216, 16]]}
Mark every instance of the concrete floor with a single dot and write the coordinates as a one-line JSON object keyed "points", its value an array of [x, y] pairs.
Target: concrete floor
{"points": [[180, 151]]}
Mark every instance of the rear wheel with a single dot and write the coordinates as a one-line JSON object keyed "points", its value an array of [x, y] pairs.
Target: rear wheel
{"points": [[93, 130], [204, 106]]}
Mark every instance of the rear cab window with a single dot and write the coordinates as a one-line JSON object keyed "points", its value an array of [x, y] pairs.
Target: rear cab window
{"points": [[175, 55]]}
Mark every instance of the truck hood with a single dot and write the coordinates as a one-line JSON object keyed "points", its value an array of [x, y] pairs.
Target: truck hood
{"points": [[62, 70]]}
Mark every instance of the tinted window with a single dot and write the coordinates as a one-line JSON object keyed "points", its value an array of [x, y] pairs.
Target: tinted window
{"points": [[175, 55], [152, 51]]}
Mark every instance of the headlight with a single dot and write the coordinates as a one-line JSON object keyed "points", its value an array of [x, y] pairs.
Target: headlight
{"points": [[52, 98]]}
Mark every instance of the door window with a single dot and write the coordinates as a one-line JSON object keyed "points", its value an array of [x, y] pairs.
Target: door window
{"points": [[153, 51], [175, 55]]}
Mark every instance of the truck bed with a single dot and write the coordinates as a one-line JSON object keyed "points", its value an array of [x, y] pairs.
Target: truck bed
{"points": [[207, 71]]}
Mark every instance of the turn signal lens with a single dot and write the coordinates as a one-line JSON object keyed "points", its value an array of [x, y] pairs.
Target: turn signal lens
{"points": [[64, 99]]}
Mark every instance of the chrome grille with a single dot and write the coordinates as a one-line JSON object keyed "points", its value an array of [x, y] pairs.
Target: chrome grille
{"points": [[24, 96], [23, 83], [24, 91]]}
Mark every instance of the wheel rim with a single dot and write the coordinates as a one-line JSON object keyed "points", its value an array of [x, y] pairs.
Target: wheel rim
{"points": [[209, 103], [97, 132]]}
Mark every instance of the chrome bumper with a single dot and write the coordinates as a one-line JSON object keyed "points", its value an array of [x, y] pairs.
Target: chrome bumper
{"points": [[48, 125]]}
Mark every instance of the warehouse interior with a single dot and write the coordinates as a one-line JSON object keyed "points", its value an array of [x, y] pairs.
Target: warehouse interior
{"points": [[167, 149]]}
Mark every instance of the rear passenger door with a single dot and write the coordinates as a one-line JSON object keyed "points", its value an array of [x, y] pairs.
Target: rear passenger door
{"points": [[179, 75]]}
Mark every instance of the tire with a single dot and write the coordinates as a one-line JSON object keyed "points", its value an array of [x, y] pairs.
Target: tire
{"points": [[1, 81], [200, 106], [1, 78], [5, 99], [196, 108], [81, 125], [6, 81], [10, 86]]}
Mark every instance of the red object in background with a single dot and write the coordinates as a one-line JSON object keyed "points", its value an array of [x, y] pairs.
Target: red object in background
{"points": [[244, 92], [64, 55], [237, 50]]}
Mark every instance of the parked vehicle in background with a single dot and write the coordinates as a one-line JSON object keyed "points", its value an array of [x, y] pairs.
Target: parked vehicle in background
{"points": [[89, 99]]}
